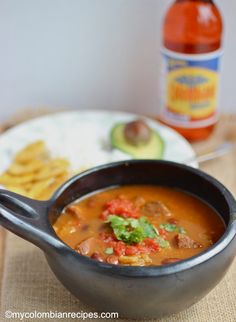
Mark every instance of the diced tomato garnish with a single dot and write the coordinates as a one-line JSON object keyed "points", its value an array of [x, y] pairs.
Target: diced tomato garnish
{"points": [[151, 244], [163, 232], [112, 244], [104, 215], [121, 207], [143, 249], [107, 237], [120, 248], [131, 250]]}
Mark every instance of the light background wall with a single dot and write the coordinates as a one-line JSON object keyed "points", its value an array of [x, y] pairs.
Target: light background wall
{"points": [[91, 54]]}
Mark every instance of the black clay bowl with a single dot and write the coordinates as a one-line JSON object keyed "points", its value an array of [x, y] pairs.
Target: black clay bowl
{"points": [[134, 292]]}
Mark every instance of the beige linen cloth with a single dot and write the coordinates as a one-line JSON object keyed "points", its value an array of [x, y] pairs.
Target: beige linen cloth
{"points": [[28, 284]]}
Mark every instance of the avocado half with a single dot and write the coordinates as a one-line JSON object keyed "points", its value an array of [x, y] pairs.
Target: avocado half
{"points": [[154, 149]]}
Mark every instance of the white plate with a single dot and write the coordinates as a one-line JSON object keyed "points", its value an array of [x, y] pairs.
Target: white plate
{"points": [[83, 138]]}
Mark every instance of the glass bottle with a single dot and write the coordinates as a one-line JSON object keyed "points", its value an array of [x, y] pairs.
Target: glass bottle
{"points": [[192, 35]]}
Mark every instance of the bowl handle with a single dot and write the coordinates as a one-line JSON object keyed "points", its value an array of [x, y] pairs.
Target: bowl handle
{"points": [[27, 218]]}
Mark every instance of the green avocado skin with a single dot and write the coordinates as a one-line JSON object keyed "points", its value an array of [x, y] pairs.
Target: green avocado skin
{"points": [[154, 149]]}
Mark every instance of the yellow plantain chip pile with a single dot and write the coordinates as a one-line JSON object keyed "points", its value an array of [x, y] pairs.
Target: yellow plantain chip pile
{"points": [[33, 173]]}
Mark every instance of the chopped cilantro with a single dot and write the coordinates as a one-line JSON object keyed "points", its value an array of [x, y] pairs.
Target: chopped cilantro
{"points": [[109, 251], [173, 228], [131, 230], [168, 227], [182, 230], [162, 242], [148, 229]]}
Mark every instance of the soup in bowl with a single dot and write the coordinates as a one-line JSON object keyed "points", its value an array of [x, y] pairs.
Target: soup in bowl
{"points": [[143, 238], [139, 225]]}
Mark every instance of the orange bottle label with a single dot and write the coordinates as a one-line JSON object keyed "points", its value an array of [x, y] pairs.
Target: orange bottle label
{"points": [[190, 91]]}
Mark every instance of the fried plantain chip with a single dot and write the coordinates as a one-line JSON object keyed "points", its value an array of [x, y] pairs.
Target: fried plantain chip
{"points": [[53, 168], [18, 189], [39, 187], [34, 174], [35, 150], [8, 180], [18, 169], [47, 193]]}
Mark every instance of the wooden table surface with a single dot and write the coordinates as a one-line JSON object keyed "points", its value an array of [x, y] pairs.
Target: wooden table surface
{"points": [[226, 130]]}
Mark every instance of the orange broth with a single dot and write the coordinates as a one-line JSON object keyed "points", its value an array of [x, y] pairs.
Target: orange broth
{"points": [[190, 225]]}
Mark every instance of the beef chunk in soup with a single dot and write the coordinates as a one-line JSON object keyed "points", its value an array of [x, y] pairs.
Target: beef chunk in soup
{"points": [[74, 211], [184, 241], [87, 246], [155, 208]]}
